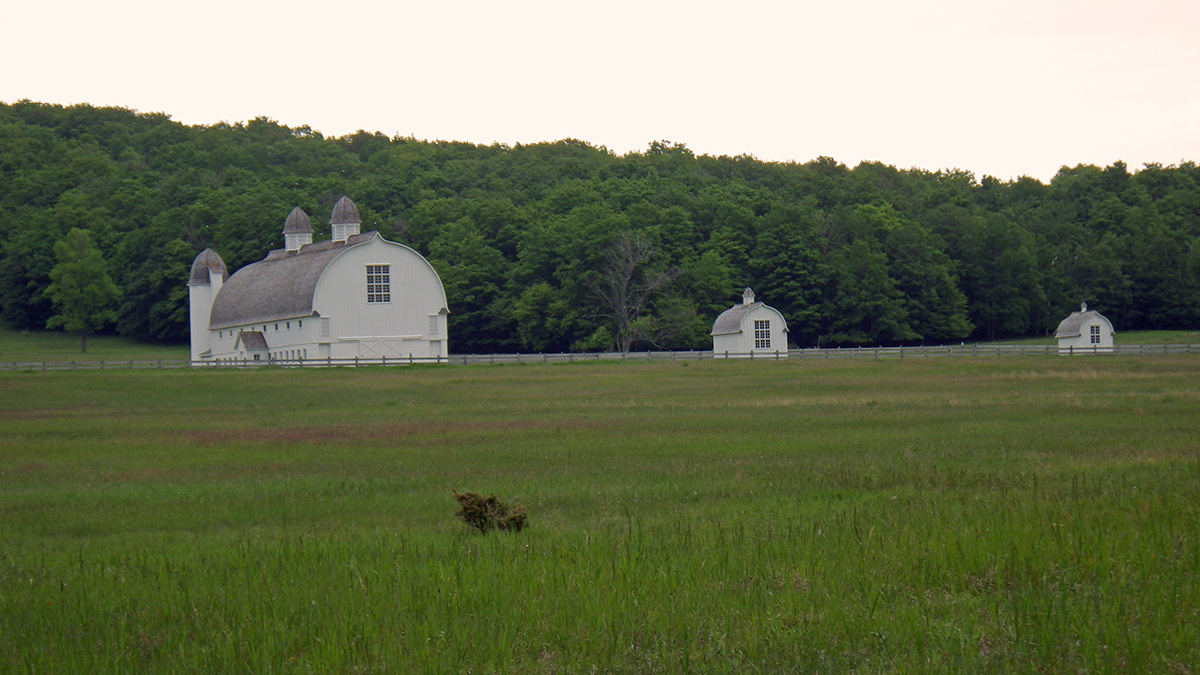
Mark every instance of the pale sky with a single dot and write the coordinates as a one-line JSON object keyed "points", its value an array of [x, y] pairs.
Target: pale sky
{"points": [[1003, 88]]}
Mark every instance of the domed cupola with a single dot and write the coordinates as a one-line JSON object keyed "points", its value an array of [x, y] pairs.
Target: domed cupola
{"points": [[207, 264], [345, 222], [297, 230]]}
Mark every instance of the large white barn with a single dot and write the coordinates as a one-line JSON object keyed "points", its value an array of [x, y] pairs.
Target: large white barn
{"points": [[1085, 332], [357, 295], [749, 330]]}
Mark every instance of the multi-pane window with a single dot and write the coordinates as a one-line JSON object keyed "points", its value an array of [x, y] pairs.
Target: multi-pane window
{"points": [[1095, 335], [762, 334], [379, 283]]}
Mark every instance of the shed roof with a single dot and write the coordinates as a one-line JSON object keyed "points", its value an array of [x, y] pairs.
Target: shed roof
{"points": [[281, 286], [1072, 326], [730, 321]]}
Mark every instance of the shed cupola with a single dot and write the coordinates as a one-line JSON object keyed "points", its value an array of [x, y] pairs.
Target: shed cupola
{"points": [[345, 222], [297, 230]]}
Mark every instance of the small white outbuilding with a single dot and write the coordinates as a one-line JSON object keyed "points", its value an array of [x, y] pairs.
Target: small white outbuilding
{"points": [[749, 330], [1085, 332]]}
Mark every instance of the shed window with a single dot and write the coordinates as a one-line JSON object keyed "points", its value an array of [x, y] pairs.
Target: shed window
{"points": [[433, 325], [1095, 335], [762, 333], [379, 283]]}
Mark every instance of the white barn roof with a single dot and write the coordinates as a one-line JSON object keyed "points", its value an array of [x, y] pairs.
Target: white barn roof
{"points": [[279, 287]]}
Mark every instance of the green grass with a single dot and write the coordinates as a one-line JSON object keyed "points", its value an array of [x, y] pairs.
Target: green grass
{"points": [[940, 515], [23, 346]]}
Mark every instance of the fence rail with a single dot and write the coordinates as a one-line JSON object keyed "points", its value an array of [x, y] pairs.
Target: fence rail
{"points": [[944, 351]]}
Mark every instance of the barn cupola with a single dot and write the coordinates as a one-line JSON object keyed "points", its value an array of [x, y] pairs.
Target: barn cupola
{"points": [[297, 230], [747, 296], [345, 221]]}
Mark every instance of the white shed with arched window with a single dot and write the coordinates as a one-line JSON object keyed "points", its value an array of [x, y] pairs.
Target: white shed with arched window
{"points": [[1085, 332], [749, 330]]}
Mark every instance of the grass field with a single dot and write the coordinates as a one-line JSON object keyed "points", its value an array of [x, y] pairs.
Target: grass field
{"points": [[957, 515], [25, 346]]}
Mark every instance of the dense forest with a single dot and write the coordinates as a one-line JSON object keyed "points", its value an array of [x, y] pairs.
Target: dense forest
{"points": [[566, 246]]}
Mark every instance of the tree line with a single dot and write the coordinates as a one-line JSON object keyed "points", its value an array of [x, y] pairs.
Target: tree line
{"points": [[564, 246]]}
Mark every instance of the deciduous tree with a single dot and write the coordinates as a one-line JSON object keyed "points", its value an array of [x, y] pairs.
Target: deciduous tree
{"points": [[627, 285], [80, 287]]}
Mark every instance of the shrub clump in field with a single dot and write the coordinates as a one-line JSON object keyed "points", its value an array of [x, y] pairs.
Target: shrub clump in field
{"points": [[489, 513]]}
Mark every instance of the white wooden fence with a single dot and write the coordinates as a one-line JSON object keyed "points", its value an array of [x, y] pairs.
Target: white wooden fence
{"points": [[944, 351]]}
